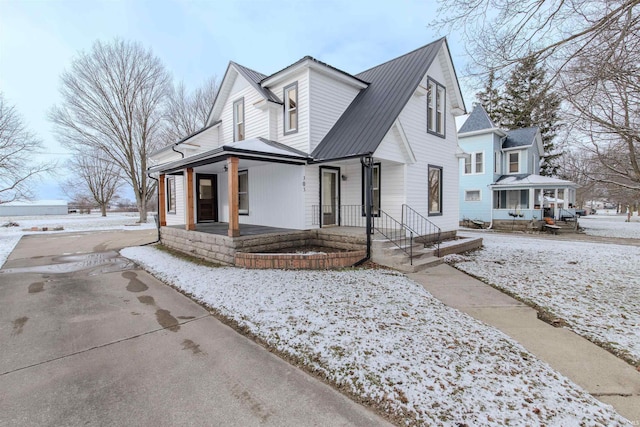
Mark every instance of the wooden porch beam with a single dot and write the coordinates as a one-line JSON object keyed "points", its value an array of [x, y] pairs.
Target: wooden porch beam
{"points": [[191, 223], [232, 179], [162, 201]]}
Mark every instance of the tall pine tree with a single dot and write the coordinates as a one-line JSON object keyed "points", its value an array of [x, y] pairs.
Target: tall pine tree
{"points": [[527, 100]]}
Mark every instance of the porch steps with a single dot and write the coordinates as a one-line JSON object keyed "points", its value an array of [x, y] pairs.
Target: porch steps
{"points": [[386, 253]]}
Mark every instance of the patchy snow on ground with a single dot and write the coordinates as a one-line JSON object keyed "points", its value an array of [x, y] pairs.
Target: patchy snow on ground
{"points": [[10, 236], [382, 337], [594, 287], [611, 226]]}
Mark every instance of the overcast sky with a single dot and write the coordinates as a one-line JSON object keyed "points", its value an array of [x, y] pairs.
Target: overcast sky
{"points": [[197, 39]]}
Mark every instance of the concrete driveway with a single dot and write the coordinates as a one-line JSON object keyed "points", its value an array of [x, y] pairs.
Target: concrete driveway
{"points": [[88, 338]]}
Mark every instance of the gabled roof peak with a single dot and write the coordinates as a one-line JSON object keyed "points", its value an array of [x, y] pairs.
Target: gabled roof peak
{"points": [[478, 120]]}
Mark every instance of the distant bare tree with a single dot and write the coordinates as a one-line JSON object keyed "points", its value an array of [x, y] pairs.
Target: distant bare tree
{"points": [[604, 100], [112, 100], [93, 178], [187, 113], [501, 33], [18, 147]]}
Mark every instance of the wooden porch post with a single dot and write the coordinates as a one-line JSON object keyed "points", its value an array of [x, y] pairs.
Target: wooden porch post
{"points": [[191, 223], [162, 202], [232, 179]]}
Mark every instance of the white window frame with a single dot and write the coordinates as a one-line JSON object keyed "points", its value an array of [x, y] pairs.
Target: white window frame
{"points": [[471, 163], [171, 194], [466, 196], [517, 153], [496, 162], [238, 120], [288, 109], [240, 210], [436, 108]]}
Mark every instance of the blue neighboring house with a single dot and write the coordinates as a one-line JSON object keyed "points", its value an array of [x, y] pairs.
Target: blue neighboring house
{"points": [[500, 179]]}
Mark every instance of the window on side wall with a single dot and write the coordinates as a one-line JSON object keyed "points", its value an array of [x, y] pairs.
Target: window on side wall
{"points": [[376, 190], [238, 120], [472, 196], [514, 162], [171, 194], [435, 190], [243, 192], [291, 108], [436, 108], [474, 163], [496, 162], [479, 163]]}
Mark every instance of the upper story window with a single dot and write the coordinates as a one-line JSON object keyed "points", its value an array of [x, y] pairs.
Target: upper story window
{"points": [[238, 120], [474, 163], [291, 108], [435, 108], [496, 162], [514, 162]]}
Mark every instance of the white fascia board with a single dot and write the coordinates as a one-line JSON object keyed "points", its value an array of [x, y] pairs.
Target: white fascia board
{"points": [[223, 93], [459, 104], [497, 131], [518, 148], [308, 63], [405, 142]]}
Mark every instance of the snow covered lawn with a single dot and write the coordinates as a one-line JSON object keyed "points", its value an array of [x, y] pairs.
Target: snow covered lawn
{"points": [[593, 287], [383, 338], [611, 226], [10, 236]]}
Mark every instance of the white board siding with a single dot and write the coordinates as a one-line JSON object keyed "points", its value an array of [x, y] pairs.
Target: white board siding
{"points": [[256, 121], [276, 196], [300, 139], [205, 141], [431, 150], [179, 217], [328, 100], [311, 190]]}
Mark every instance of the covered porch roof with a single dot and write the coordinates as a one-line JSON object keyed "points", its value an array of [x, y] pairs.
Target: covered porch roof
{"points": [[251, 149], [524, 181]]}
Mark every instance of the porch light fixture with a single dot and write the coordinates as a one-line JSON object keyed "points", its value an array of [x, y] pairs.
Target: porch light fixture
{"points": [[344, 177], [226, 168]]}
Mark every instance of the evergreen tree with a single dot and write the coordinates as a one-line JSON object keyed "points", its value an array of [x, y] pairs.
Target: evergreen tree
{"points": [[489, 98], [528, 100]]}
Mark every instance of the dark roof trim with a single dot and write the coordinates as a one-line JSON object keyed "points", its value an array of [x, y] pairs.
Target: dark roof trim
{"points": [[312, 59], [254, 78], [337, 159]]}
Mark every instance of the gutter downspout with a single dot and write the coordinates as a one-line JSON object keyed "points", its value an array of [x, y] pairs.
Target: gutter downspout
{"points": [[173, 147], [157, 211], [367, 162]]}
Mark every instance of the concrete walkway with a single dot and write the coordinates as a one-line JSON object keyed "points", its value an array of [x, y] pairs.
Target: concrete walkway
{"points": [[605, 376], [88, 338]]}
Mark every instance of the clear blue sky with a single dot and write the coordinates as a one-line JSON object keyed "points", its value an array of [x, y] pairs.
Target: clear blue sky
{"points": [[197, 39]]}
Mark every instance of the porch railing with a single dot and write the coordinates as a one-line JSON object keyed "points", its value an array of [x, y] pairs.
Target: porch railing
{"points": [[343, 215], [425, 231], [396, 232]]}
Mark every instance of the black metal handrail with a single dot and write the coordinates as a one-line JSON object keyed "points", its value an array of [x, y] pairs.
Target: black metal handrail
{"points": [[396, 232], [426, 231]]}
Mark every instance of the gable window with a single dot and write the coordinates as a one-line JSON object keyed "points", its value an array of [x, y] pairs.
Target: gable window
{"points": [[514, 162], [238, 120], [291, 108], [375, 211], [171, 194], [435, 108], [243, 192], [435, 190], [472, 196], [474, 163]]}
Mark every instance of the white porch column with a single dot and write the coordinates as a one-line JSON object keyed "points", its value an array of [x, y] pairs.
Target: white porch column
{"points": [[555, 205]]}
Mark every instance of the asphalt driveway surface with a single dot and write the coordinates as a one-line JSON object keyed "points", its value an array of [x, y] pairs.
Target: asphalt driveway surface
{"points": [[88, 338]]}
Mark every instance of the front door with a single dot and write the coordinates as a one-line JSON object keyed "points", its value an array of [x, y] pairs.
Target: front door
{"points": [[207, 197], [330, 196]]}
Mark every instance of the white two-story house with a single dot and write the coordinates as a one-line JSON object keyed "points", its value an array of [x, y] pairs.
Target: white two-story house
{"points": [[500, 180], [291, 150]]}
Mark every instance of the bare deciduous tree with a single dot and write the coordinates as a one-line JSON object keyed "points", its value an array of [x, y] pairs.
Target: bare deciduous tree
{"points": [[187, 113], [500, 33], [93, 178], [112, 102], [17, 149], [604, 99]]}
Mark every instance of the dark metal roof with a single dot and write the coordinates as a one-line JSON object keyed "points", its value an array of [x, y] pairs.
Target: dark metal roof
{"points": [[255, 78], [361, 128], [520, 137], [477, 120]]}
